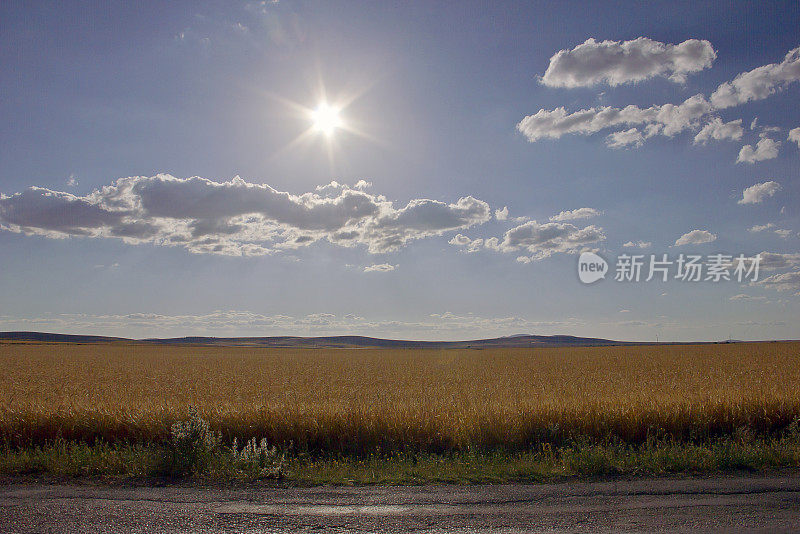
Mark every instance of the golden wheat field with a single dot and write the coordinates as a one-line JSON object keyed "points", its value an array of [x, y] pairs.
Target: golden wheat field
{"points": [[356, 400]]}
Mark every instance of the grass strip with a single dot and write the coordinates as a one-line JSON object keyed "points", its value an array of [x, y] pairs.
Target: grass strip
{"points": [[119, 462]]}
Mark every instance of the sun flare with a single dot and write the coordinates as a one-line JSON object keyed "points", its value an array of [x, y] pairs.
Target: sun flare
{"points": [[326, 119]]}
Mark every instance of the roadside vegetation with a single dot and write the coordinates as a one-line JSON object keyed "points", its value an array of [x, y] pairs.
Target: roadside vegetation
{"points": [[126, 411], [62, 460]]}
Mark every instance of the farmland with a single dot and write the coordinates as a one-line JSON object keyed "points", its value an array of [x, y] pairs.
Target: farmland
{"points": [[359, 401]]}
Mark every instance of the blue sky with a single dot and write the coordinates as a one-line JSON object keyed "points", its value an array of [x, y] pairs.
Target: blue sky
{"points": [[125, 127]]}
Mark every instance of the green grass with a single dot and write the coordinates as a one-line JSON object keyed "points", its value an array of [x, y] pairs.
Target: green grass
{"points": [[579, 460]]}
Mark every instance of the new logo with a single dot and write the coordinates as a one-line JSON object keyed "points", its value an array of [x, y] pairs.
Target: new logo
{"points": [[591, 267]]}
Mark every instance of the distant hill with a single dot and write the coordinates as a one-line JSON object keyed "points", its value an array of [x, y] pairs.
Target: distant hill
{"points": [[520, 340], [361, 341], [57, 338]]}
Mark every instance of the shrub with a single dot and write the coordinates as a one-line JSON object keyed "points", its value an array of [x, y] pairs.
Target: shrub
{"points": [[192, 446]]}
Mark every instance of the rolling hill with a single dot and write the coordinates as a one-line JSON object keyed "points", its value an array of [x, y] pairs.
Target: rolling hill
{"points": [[520, 340]]}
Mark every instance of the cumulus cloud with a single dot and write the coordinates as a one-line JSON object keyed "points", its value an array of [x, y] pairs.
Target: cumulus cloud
{"points": [[587, 65], [760, 227], [759, 192], [234, 217], [774, 261], [794, 136], [543, 240], [620, 62], [538, 240], [472, 245], [695, 237], [666, 119], [781, 232], [765, 149], [379, 268], [782, 282], [460, 240], [501, 214], [759, 83], [626, 138], [637, 244], [747, 298], [580, 213], [718, 130]]}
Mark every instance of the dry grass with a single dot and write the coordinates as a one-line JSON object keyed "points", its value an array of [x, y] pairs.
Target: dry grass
{"points": [[363, 400]]}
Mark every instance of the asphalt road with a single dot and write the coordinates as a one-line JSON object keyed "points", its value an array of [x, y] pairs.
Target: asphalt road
{"points": [[737, 503]]}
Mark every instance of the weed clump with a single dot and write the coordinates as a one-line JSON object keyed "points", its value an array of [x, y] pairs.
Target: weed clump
{"points": [[195, 449]]}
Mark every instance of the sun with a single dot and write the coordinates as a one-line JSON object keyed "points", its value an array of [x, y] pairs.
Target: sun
{"points": [[326, 119]]}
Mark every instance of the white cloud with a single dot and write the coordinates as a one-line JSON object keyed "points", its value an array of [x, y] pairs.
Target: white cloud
{"points": [[765, 149], [501, 214], [460, 240], [785, 234], [543, 240], [72, 181], [580, 213], [379, 268], [666, 119], [695, 237], [234, 217], [637, 244], [492, 243], [794, 136], [632, 137], [743, 298], [472, 245], [718, 130], [538, 240], [758, 83], [774, 261], [636, 124], [782, 282], [619, 62], [476, 245], [759, 192]]}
